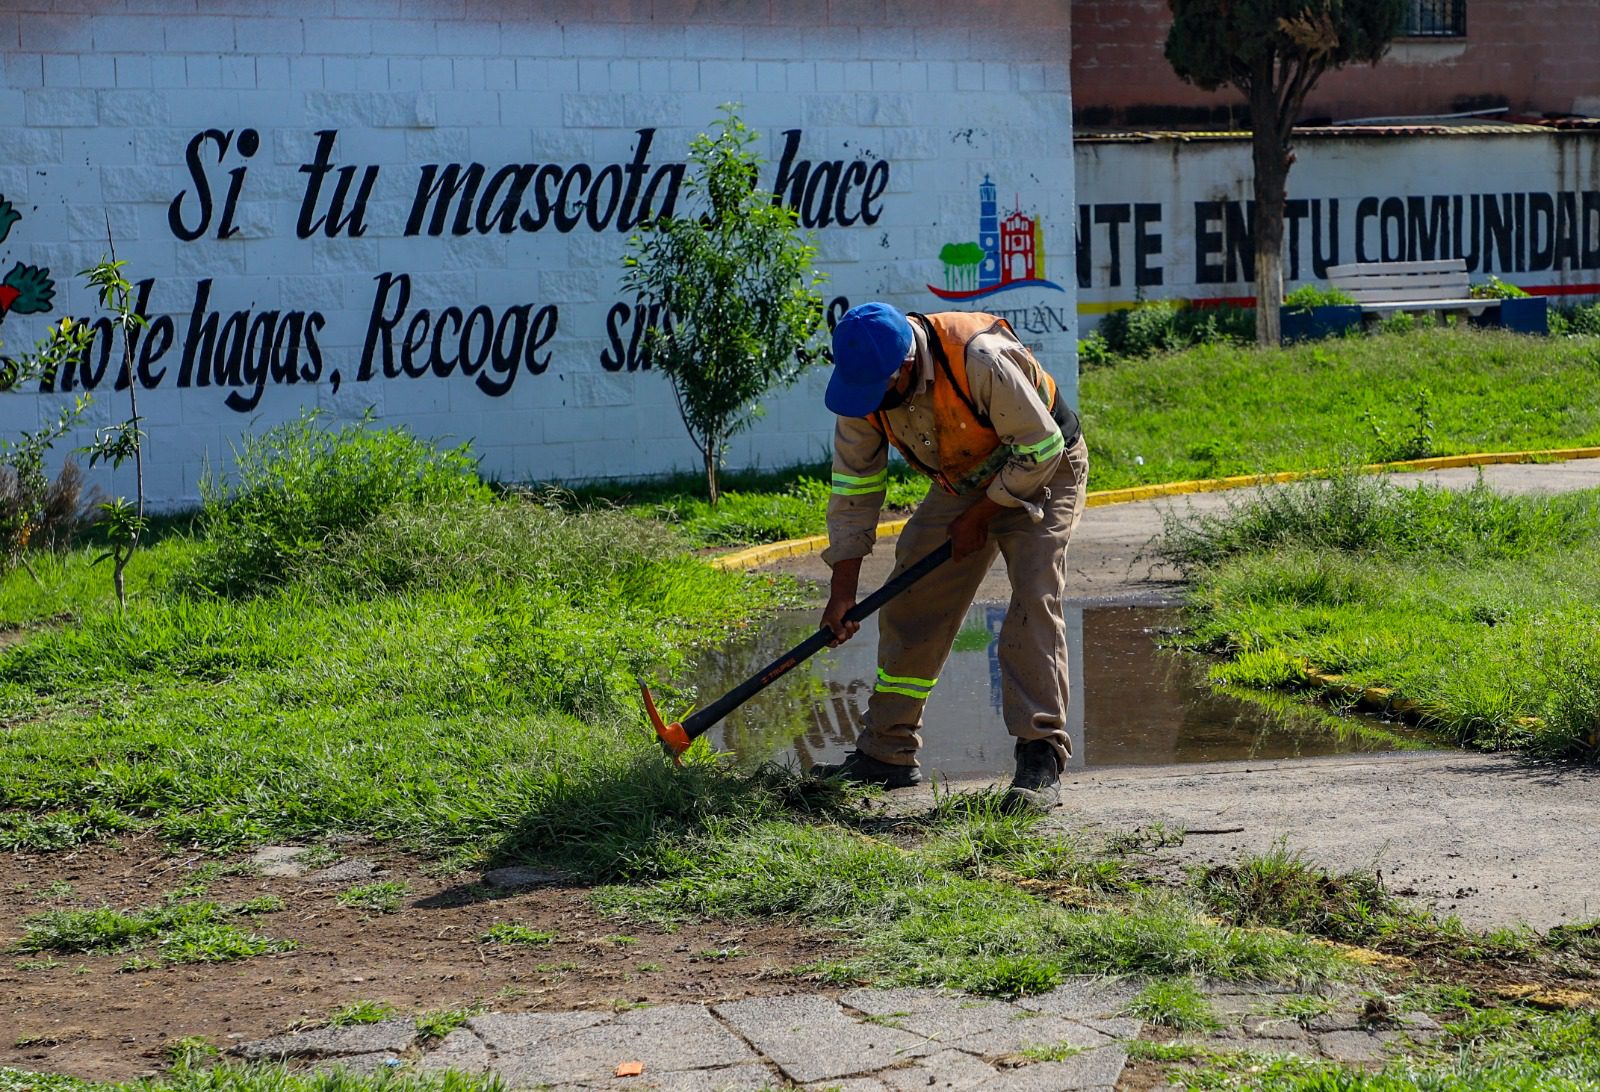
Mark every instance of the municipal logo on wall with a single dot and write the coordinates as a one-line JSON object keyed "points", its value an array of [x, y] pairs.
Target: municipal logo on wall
{"points": [[1009, 253]]}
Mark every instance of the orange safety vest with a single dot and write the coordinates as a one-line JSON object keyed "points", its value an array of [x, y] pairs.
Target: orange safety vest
{"points": [[970, 451]]}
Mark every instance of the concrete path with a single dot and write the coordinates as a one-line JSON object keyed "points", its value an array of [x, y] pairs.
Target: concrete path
{"points": [[1490, 838], [866, 1040], [1105, 563]]}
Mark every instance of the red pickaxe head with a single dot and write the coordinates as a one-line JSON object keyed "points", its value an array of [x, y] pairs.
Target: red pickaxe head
{"points": [[672, 736]]}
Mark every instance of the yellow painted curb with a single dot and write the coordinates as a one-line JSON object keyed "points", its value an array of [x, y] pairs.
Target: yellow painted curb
{"points": [[753, 556]]}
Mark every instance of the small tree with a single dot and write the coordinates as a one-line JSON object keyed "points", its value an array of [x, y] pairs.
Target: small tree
{"points": [[1274, 51], [737, 296], [125, 520]]}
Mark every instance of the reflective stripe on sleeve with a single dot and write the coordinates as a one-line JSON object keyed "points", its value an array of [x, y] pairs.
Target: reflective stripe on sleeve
{"points": [[1044, 449], [848, 485]]}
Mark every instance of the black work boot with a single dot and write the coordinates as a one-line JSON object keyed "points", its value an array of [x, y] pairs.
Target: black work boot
{"points": [[863, 769], [1037, 784]]}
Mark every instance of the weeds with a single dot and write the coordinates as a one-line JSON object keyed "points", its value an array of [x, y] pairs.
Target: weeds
{"points": [[1176, 1003], [230, 1078], [185, 932], [1282, 890], [383, 897], [510, 932], [360, 1012], [436, 1025]]}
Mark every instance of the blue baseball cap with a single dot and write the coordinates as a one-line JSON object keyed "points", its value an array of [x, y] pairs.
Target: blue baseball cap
{"points": [[869, 344]]}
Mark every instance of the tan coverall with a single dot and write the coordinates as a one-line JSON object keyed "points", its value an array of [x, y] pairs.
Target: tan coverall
{"points": [[1043, 495]]}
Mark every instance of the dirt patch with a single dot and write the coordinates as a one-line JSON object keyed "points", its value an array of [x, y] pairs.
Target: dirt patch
{"points": [[87, 1017]]}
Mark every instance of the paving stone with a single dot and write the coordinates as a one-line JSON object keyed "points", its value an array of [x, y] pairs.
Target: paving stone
{"points": [[350, 871], [1305, 1048], [1352, 1047], [1094, 1069], [1043, 1030], [362, 1064], [1239, 1004], [1274, 1027], [1126, 1027], [279, 861], [945, 1019], [946, 1071], [514, 1032], [518, 876], [738, 1078], [391, 1036], [813, 1039], [666, 1039], [850, 1084], [461, 1051], [1085, 995], [1416, 1021], [1334, 1021]]}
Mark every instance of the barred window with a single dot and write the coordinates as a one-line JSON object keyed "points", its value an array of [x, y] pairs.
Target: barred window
{"points": [[1436, 19]]}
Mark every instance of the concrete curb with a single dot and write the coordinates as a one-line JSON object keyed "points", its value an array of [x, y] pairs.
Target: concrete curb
{"points": [[753, 556]]}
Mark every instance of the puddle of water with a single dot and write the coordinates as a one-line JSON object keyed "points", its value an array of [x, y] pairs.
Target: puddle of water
{"points": [[1132, 702]]}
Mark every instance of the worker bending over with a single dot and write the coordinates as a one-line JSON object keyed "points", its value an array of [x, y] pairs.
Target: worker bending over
{"points": [[968, 406]]}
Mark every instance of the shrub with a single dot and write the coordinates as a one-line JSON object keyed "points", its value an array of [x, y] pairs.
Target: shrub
{"points": [[1583, 320], [1310, 296], [300, 484], [1094, 351], [1497, 289], [1168, 326]]}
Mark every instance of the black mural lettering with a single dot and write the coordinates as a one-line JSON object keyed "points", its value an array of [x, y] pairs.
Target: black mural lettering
{"points": [[1497, 228], [313, 368], [1294, 211], [1392, 212], [615, 356], [158, 338], [1085, 246], [1566, 245], [488, 350], [1146, 245], [1239, 240], [202, 186], [1208, 267], [821, 194], [1366, 209], [1541, 243], [872, 191], [607, 181], [854, 175], [567, 216], [1321, 259], [441, 188], [1114, 216], [1590, 231], [1426, 220], [336, 221], [248, 144], [514, 178]]}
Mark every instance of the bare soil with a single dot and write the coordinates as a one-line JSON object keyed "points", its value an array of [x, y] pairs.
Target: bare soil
{"points": [[87, 1017]]}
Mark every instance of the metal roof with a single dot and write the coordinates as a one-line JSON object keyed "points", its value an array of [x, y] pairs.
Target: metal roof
{"points": [[1445, 128]]}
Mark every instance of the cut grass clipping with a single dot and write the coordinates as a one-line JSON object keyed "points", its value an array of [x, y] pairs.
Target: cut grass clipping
{"points": [[1477, 607]]}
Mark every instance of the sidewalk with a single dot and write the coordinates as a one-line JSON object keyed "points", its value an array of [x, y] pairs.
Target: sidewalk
{"points": [[904, 1040]]}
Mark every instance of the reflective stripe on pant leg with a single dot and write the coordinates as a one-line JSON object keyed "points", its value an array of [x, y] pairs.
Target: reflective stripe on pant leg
{"points": [[1035, 691], [917, 628]]}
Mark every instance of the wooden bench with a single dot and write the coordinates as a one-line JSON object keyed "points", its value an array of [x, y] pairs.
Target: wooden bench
{"points": [[1383, 287]]}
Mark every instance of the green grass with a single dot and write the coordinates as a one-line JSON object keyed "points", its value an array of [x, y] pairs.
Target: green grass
{"points": [[383, 897], [510, 932], [1219, 410], [924, 915], [1490, 1050], [1176, 1003], [360, 1012], [183, 931], [1476, 606], [438, 1024], [460, 674]]}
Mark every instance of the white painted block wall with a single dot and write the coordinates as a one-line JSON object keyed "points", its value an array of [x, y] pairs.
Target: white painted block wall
{"points": [[104, 103]]}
